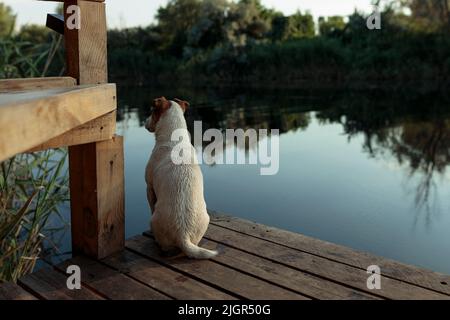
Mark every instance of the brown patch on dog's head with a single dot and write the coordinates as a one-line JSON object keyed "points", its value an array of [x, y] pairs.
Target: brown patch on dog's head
{"points": [[160, 105], [183, 104]]}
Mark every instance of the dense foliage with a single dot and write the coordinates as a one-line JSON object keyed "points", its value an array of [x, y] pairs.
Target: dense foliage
{"points": [[223, 42]]}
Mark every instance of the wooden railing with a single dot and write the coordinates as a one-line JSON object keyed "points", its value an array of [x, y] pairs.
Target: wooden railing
{"points": [[78, 112]]}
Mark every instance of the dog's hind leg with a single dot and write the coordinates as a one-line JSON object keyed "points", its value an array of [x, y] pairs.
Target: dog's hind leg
{"points": [[167, 248], [151, 197], [170, 251]]}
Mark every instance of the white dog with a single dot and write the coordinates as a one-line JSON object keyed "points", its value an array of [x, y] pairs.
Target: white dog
{"points": [[175, 192]]}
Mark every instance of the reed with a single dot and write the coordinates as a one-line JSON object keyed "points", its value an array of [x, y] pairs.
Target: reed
{"points": [[32, 186]]}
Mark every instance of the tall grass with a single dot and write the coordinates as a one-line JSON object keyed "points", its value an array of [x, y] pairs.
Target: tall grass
{"points": [[32, 186], [22, 59]]}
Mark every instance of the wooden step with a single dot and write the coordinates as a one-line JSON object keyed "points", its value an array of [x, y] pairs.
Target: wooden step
{"points": [[28, 119]]}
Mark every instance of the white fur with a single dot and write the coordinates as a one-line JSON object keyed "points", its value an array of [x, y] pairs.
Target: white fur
{"points": [[175, 192]]}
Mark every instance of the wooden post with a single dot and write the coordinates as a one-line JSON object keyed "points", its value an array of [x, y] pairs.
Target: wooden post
{"points": [[96, 169], [86, 52], [97, 197]]}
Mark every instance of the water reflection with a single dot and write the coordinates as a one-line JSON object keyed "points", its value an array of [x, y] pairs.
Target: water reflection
{"points": [[425, 148], [413, 131], [355, 169]]}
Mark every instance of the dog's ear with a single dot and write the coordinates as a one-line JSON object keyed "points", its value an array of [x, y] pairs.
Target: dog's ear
{"points": [[183, 104], [161, 104]]}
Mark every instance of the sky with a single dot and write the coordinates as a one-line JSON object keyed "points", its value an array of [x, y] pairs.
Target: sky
{"points": [[131, 13]]}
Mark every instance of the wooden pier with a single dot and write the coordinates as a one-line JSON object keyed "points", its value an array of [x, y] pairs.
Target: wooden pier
{"points": [[256, 262]]}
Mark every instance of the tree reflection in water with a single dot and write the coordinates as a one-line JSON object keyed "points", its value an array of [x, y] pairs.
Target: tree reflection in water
{"points": [[416, 135], [413, 130]]}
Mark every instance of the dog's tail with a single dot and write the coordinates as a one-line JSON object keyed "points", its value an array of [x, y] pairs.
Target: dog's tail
{"points": [[195, 252]]}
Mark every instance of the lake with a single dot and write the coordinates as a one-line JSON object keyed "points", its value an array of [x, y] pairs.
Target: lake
{"points": [[368, 171]]}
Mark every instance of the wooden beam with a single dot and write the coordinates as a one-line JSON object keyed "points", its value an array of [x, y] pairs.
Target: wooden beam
{"points": [[86, 53], [100, 129], [96, 169], [31, 118], [17, 85], [55, 22], [97, 197]]}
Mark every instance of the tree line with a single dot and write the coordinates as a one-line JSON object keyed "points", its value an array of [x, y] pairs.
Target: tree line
{"points": [[224, 42]]}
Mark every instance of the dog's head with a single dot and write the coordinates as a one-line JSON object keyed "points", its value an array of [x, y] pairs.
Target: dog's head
{"points": [[160, 107]]}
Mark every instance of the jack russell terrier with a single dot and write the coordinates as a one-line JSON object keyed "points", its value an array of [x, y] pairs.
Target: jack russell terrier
{"points": [[175, 191]]}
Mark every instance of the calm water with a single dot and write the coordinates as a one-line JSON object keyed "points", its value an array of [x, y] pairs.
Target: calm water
{"points": [[365, 171]]}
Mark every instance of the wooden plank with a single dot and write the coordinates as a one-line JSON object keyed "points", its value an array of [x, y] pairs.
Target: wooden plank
{"points": [[50, 284], [282, 275], [390, 268], [86, 48], [172, 283], [25, 84], [215, 274], [110, 282], [97, 197], [11, 291], [32, 118], [322, 267], [100, 129]]}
